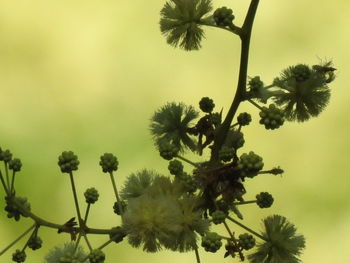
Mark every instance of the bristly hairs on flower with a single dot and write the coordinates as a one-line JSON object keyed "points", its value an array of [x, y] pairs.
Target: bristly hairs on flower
{"points": [[304, 91], [163, 216], [68, 251], [282, 243], [180, 22], [170, 125]]}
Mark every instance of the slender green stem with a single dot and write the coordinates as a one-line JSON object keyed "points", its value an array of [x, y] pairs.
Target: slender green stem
{"points": [[77, 242], [42, 222], [255, 104], [100, 247], [34, 233], [245, 202], [187, 161], [209, 21], [245, 35], [7, 176], [197, 255], [75, 198], [4, 184], [87, 242], [17, 239], [246, 228], [233, 238], [12, 182], [87, 213], [116, 193]]}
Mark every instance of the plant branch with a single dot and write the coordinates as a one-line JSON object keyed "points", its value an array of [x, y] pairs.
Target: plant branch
{"points": [[75, 198], [245, 35], [246, 228], [17, 239]]}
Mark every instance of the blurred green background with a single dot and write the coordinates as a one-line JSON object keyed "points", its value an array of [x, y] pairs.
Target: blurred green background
{"points": [[87, 75]]}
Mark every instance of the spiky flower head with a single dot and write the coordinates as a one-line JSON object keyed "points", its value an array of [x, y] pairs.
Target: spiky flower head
{"points": [[304, 92], [282, 243], [180, 22], [67, 253], [68, 162], [170, 125], [162, 216]]}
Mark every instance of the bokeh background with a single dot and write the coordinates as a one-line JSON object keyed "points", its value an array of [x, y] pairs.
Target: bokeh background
{"points": [[87, 76]]}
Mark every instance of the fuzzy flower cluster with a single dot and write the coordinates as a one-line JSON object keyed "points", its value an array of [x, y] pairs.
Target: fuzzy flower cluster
{"points": [[161, 214]]}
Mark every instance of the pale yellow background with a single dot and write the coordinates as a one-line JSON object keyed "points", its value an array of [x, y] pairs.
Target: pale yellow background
{"points": [[87, 75]]}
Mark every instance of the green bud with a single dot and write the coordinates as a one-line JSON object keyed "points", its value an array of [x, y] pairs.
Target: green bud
{"points": [[68, 162], [109, 163]]}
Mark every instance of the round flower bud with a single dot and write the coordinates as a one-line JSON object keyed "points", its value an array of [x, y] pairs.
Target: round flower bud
{"points": [[175, 167], [168, 151], [223, 16], [5, 156], [109, 163], [226, 153], [19, 256], [271, 117], [255, 84], [35, 243], [264, 200], [12, 208], [116, 207], [117, 234], [97, 256], [244, 118], [250, 164], [246, 241], [15, 164], [206, 105], [68, 162], [91, 195], [211, 242], [301, 72], [218, 217]]}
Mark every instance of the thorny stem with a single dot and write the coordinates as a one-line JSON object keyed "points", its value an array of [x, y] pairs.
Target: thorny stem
{"points": [[245, 34], [246, 228], [17, 239], [116, 193]]}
